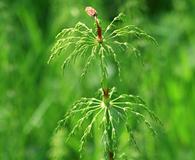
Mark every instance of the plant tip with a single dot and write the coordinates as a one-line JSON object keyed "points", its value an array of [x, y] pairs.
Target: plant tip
{"points": [[91, 11]]}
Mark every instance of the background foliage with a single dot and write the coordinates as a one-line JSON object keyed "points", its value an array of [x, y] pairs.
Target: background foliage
{"points": [[34, 95]]}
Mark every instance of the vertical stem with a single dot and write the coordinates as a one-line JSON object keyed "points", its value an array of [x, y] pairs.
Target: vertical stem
{"points": [[109, 147], [106, 97], [109, 132], [99, 30], [106, 100]]}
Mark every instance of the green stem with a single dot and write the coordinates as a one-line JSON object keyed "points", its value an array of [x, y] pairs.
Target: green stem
{"points": [[109, 147], [105, 97], [106, 100]]}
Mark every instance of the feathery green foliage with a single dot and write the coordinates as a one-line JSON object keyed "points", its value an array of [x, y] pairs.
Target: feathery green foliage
{"points": [[84, 44], [95, 110], [108, 111]]}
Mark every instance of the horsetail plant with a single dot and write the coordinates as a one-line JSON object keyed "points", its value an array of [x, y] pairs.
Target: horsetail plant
{"points": [[107, 110]]}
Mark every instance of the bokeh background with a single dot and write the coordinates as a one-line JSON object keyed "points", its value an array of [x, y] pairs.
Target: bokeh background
{"points": [[35, 95]]}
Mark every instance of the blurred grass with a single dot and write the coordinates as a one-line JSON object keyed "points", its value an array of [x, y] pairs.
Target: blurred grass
{"points": [[34, 95]]}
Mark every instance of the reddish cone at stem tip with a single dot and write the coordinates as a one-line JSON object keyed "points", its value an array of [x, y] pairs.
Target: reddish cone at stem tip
{"points": [[91, 11]]}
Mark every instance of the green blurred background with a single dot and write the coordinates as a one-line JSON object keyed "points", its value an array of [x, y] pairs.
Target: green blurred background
{"points": [[34, 95]]}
